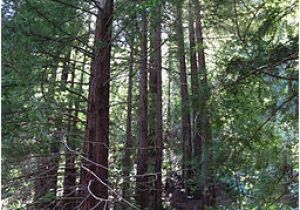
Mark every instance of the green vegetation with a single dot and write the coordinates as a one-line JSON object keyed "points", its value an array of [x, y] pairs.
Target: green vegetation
{"points": [[154, 104]]}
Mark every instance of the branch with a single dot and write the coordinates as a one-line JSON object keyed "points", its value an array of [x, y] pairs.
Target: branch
{"points": [[74, 6], [106, 185], [274, 112]]}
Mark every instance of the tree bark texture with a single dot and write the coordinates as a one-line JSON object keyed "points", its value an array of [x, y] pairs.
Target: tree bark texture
{"points": [[159, 118], [97, 142], [152, 108], [155, 109], [127, 162], [186, 124], [142, 156], [195, 85], [70, 170]]}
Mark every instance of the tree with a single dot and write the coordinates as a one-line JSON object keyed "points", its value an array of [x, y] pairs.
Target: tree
{"points": [[129, 140], [159, 112], [186, 124], [97, 142], [76, 95], [142, 156]]}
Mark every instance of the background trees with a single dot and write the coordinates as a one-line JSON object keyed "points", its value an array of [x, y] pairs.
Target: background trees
{"points": [[199, 101]]}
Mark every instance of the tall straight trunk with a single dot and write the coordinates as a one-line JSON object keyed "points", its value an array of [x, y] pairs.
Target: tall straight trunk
{"points": [[186, 124], [142, 156], [194, 85], [69, 185], [155, 112], [153, 64], [152, 110], [200, 43], [169, 117], [98, 115], [53, 169], [198, 135], [204, 115], [127, 163], [89, 128], [53, 162], [203, 78], [159, 119]]}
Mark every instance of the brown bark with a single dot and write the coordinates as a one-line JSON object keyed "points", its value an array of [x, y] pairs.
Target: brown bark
{"points": [[155, 69], [97, 142], [152, 110], [194, 85], [142, 156], [155, 110], [204, 115], [159, 119], [70, 170], [200, 43], [127, 162], [186, 125], [169, 117], [89, 135]]}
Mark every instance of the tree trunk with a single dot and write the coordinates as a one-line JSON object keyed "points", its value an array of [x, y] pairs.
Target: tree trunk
{"points": [[142, 156], [204, 115], [194, 85], [200, 43], [186, 124], [197, 132], [159, 117], [70, 170], [155, 112], [152, 110], [97, 142], [127, 163]]}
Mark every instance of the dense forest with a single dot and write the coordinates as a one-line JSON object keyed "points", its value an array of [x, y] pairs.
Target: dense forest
{"points": [[150, 104]]}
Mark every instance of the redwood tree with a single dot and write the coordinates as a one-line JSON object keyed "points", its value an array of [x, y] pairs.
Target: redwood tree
{"points": [[142, 156], [157, 61], [97, 141], [155, 109], [186, 124], [127, 162]]}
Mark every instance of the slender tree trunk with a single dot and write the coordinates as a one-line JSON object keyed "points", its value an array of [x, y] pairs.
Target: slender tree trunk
{"points": [[70, 170], [53, 169], [98, 115], [197, 132], [169, 117], [89, 127], [142, 156], [195, 85], [152, 109], [186, 124], [53, 162], [204, 115], [127, 163], [200, 43], [159, 118]]}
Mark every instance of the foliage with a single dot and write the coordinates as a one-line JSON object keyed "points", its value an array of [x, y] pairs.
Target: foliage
{"points": [[251, 97]]}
